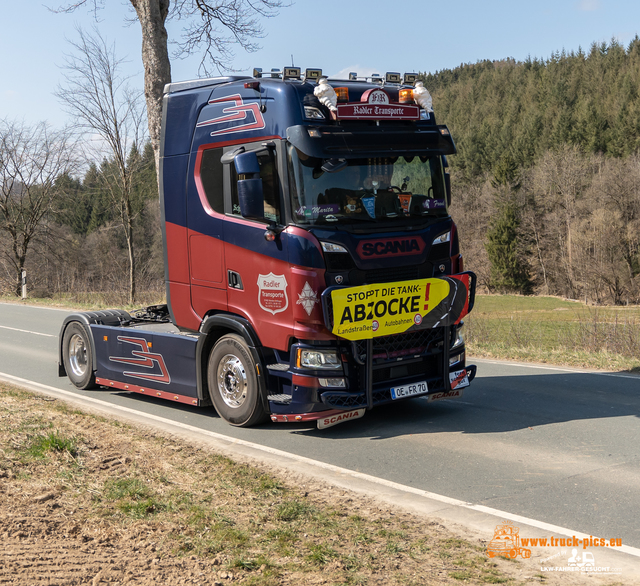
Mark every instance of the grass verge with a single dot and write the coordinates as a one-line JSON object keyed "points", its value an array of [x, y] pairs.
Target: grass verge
{"points": [[86, 495]]}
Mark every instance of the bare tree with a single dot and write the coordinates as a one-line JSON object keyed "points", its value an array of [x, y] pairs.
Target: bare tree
{"points": [[32, 158], [211, 27], [559, 182], [101, 101]]}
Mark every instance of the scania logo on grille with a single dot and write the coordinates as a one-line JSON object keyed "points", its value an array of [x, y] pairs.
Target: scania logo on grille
{"points": [[389, 247]]}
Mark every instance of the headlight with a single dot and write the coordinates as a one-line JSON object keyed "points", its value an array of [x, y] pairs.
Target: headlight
{"points": [[331, 247], [442, 238], [311, 113], [318, 359], [459, 337]]}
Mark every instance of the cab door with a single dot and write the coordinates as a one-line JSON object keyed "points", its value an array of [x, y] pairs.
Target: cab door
{"points": [[258, 270]]}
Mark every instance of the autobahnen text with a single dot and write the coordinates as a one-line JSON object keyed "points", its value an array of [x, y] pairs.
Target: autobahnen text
{"points": [[571, 542]]}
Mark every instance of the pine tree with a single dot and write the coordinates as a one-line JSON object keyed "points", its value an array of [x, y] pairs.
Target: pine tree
{"points": [[509, 271]]}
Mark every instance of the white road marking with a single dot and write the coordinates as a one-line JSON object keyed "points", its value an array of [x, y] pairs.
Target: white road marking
{"points": [[28, 332], [554, 368], [65, 309], [557, 530]]}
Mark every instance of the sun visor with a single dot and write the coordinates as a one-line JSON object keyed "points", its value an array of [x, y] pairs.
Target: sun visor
{"points": [[332, 141]]}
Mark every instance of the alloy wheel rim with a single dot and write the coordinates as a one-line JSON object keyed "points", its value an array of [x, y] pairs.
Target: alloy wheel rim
{"points": [[77, 355], [232, 381]]}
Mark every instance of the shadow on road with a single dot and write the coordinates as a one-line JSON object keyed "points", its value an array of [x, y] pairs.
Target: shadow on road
{"points": [[500, 404], [490, 405]]}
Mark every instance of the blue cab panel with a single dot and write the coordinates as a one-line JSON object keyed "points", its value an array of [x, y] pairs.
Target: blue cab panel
{"points": [[155, 360]]}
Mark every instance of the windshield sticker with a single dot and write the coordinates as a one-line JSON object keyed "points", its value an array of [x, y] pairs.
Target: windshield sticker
{"points": [[434, 204], [272, 293], [369, 204], [405, 201], [318, 210], [369, 311]]}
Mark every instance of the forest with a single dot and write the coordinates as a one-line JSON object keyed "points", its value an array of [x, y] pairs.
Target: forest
{"points": [[547, 176], [546, 187]]}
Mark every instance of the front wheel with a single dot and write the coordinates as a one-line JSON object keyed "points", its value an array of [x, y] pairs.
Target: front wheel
{"points": [[77, 355], [233, 382]]}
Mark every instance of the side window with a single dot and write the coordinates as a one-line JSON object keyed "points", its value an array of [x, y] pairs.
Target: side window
{"points": [[270, 188], [211, 176]]}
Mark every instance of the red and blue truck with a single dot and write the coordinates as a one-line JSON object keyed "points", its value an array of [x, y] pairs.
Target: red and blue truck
{"points": [[312, 268]]}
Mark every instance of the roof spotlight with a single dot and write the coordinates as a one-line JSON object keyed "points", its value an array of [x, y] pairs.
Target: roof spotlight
{"points": [[392, 77], [353, 76], [312, 74], [257, 72], [409, 78], [291, 73]]}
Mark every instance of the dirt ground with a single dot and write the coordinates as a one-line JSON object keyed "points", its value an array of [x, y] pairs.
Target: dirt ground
{"points": [[85, 500]]}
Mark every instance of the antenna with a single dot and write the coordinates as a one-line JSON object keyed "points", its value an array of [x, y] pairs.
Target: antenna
{"points": [[292, 60]]}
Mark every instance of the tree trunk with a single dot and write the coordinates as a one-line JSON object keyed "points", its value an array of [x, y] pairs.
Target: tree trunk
{"points": [[152, 15], [128, 228]]}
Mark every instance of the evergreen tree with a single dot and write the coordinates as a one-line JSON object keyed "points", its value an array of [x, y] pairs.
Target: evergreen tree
{"points": [[509, 271]]}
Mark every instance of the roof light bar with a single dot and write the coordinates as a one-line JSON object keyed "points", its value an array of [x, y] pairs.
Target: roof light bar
{"points": [[392, 77], [291, 73]]}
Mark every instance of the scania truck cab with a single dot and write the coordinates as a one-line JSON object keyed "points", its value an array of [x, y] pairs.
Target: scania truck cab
{"points": [[312, 268]]}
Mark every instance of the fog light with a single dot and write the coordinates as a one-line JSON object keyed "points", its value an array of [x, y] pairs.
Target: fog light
{"points": [[338, 383]]}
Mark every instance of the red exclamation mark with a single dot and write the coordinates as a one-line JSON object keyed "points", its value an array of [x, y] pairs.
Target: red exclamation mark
{"points": [[426, 297]]}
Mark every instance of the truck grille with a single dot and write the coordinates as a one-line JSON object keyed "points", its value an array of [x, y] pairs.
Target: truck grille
{"points": [[397, 346], [389, 275]]}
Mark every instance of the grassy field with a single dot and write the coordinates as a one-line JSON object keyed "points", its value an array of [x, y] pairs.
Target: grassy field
{"points": [[555, 331]]}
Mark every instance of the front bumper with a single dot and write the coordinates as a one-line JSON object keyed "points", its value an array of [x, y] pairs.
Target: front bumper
{"points": [[380, 396]]}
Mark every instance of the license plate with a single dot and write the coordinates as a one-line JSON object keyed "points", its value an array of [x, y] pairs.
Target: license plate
{"points": [[332, 420], [456, 393], [409, 390]]}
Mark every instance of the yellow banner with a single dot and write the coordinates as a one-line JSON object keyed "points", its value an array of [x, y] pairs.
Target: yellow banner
{"points": [[368, 311]]}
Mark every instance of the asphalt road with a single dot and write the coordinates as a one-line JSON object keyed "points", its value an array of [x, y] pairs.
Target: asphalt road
{"points": [[552, 444]]}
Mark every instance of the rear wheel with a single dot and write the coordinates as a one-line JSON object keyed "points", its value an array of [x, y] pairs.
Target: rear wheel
{"points": [[77, 356], [233, 382]]}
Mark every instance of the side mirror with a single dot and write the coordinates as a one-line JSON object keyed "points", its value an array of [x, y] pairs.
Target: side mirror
{"points": [[447, 186], [250, 195]]}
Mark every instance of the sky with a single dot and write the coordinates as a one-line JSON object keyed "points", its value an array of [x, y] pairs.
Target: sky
{"points": [[337, 36]]}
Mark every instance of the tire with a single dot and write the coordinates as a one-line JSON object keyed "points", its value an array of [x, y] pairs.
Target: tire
{"points": [[513, 554], [77, 355], [233, 382]]}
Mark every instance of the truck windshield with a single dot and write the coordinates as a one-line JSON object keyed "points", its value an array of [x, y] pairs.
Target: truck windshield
{"points": [[391, 190]]}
